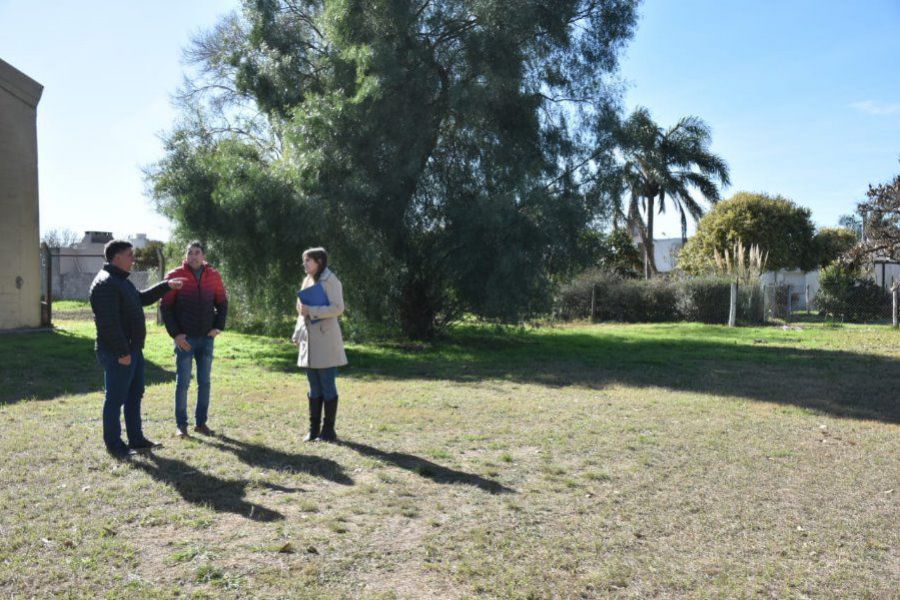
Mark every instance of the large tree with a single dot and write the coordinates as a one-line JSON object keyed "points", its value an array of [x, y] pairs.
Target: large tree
{"points": [[449, 153], [833, 243], [781, 229], [880, 215], [666, 168]]}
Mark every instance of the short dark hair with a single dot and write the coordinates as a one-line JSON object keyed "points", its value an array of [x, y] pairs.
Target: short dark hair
{"points": [[195, 244], [114, 247]]}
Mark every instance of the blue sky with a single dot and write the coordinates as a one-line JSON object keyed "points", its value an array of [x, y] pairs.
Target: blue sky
{"points": [[803, 97]]}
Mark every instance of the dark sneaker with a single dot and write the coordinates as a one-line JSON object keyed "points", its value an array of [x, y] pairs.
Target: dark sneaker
{"points": [[204, 430], [182, 432], [122, 452], [144, 444]]}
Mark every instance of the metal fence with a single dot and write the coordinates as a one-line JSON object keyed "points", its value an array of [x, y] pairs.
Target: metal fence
{"points": [[783, 302]]}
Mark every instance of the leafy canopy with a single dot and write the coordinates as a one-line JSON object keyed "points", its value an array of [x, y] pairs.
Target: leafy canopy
{"points": [[664, 169], [451, 154], [780, 228]]}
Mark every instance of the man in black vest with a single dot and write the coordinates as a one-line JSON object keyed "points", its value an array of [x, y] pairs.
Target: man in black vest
{"points": [[121, 331]]}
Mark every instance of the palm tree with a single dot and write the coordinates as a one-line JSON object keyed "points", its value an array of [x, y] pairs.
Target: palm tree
{"points": [[665, 166]]}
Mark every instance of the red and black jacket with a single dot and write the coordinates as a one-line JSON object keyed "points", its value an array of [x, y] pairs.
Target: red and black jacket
{"points": [[199, 306]]}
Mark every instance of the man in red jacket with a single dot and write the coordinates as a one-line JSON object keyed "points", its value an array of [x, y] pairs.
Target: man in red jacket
{"points": [[194, 316]]}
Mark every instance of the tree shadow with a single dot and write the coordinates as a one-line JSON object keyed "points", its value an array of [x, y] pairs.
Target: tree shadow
{"points": [[264, 457], [428, 469], [836, 382], [47, 364], [202, 489]]}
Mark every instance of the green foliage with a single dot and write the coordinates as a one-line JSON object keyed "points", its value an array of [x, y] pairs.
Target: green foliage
{"points": [[846, 294], [704, 300], [662, 169], [779, 227], [620, 255], [881, 215], [834, 242], [852, 223], [146, 258], [445, 152], [615, 298]]}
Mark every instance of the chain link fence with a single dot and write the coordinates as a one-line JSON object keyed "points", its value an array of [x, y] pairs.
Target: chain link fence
{"points": [[866, 303]]}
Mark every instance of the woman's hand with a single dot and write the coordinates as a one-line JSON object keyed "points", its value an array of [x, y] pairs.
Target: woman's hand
{"points": [[304, 310]]}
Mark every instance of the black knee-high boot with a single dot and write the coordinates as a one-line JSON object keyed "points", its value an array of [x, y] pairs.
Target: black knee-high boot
{"points": [[315, 419], [328, 434]]}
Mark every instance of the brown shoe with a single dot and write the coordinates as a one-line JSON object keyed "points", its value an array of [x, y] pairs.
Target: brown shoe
{"points": [[182, 432], [204, 430]]}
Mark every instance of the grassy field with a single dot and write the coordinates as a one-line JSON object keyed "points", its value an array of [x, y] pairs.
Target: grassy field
{"points": [[673, 460]]}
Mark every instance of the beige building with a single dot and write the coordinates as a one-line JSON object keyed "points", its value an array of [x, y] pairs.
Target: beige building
{"points": [[20, 268]]}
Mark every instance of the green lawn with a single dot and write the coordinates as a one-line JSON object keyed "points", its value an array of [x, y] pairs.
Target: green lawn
{"points": [[673, 460]]}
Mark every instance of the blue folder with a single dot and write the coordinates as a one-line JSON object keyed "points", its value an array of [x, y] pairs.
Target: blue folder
{"points": [[314, 295]]}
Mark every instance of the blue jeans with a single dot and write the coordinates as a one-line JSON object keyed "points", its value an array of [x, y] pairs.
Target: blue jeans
{"points": [[201, 351], [124, 388], [322, 384]]}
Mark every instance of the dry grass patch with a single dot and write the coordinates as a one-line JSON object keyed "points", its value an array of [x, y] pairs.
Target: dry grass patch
{"points": [[475, 469]]}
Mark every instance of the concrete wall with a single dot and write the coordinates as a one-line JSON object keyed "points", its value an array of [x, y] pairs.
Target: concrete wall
{"points": [[800, 283], [20, 269], [76, 286]]}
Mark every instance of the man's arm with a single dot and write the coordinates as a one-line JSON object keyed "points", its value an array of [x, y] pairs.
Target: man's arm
{"points": [[221, 304], [154, 293]]}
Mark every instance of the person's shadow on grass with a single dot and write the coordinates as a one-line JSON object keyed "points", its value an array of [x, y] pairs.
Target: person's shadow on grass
{"points": [[264, 457], [428, 469], [202, 489]]}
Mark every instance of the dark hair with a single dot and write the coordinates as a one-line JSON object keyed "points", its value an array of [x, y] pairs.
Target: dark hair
{"points": [[320, 256], [196, 244], [114, 247]]}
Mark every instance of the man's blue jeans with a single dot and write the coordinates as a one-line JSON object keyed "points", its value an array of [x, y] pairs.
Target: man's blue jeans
{"points": [[124, 388], [322, 384], [201, 351]]}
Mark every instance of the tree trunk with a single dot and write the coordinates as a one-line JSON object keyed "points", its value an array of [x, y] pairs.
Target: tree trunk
{"points": [[649, 258], [419, 306]]}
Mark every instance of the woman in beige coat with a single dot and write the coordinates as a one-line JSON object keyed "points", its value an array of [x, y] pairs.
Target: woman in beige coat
{"points": [[318, 334]]}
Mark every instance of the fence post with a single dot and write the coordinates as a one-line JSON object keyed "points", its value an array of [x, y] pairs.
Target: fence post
{"points": [[790, 308], [895, 296], [732, 305], [47, 305], [593, 301]]}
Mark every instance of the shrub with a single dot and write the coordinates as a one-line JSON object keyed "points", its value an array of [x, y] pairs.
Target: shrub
{"points": [[704, 300], [846, 294], [751, 304], [655, 301]]}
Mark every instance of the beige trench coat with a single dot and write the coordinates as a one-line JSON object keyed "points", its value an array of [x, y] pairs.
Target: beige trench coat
{"points": [[319, 335]]}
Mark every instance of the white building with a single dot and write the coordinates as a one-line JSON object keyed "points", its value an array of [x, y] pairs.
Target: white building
{"points": [[139, 240], [803, 286], [665, 252]]}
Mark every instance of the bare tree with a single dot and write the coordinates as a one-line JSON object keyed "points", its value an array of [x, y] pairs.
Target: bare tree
{"points": [[60, 238]]}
